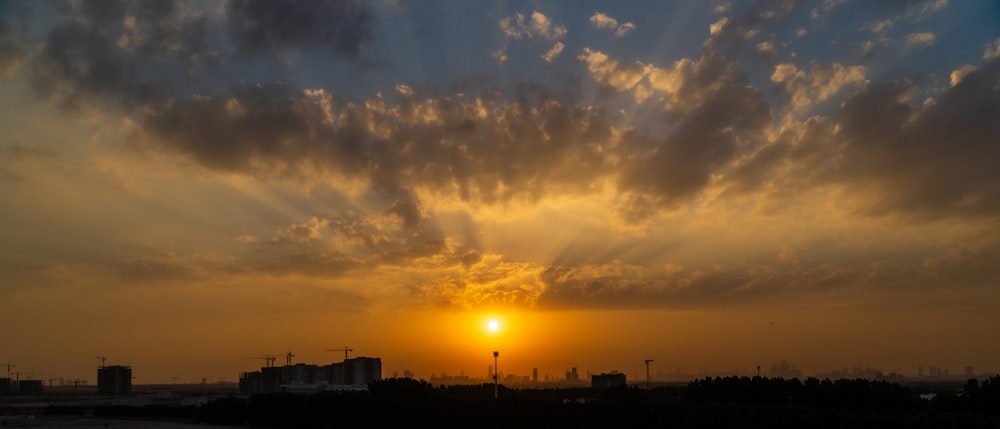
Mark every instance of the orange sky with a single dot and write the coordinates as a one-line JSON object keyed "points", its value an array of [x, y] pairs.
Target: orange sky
{"points": [[711, 185]]}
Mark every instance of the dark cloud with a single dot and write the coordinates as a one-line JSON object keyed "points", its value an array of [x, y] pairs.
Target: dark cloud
{"points": [[154, 270], [79, 61], [408, 210], [485, 151], [936, 161], [800, 158], [122, 51], [328, 264], [608, 286], [262, 27], [724, 107], [12, 54], [894, 156], [269, 124]]}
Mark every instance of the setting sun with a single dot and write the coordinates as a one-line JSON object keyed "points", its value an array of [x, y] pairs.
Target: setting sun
{"points": [[493, 326]]}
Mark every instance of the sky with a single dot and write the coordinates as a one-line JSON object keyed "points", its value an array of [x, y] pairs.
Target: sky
{"points": [[187, 185]]}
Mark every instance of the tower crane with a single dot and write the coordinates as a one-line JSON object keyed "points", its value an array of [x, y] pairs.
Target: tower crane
{"points": [[346, 350], [288, 358], [29, 374], [9, 366], [269, 359], [103, 360]]}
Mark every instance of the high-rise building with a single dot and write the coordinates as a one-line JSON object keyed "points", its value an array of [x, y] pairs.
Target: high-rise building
{"points": [[364, 370], [114, 380], [29, 387], [606, 380], [534, 375]]}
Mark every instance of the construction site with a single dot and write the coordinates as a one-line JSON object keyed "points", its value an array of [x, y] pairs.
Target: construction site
{"points": [[351, 374]]}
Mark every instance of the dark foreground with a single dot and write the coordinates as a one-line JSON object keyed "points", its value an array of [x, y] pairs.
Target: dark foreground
{"points": [[733, 401]]}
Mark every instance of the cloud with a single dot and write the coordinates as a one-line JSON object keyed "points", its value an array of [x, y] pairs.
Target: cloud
{"points": [[610, 72], [717, 26], [262, 27], [554, 52], [476, 149], [878, 26], [918, 40], [961, 72], [992, 50], [819, 84], [767, 48], [602, 21], [12, 54], [78, 60], [537, 26], [302, 233], [922, 9], [488, 282], [103, 49], [928, 161]]}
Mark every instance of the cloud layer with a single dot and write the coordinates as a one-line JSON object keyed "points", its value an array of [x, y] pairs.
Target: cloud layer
{"points": [[705, 137]]}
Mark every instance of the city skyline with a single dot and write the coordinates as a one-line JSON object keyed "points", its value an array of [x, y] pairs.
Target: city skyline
{"points": [[713, 185]]}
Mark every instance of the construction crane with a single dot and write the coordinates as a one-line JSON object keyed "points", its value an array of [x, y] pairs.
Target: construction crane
{"points": [[288, 358], [29, 374], [103, 360], [9, 366], [269, 359], [346, 350]]}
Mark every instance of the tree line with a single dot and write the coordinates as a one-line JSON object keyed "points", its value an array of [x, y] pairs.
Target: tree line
{"points": [[734, 401]]}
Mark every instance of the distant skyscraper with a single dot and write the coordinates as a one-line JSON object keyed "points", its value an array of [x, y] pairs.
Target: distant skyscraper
{"points": [[114, 380], [534, 375]]}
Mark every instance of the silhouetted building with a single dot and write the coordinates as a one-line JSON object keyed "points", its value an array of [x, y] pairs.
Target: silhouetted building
{"points": [[250, 382], [605, 380], [784, 370], [29, 387], [572, 375], [270, 379], [6, 386], [114, 380], [351, 374], [364, 370], [534, 375]]}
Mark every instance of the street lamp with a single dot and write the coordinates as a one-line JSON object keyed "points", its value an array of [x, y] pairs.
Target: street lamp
{"points": [[496, 374], [647, 372]]}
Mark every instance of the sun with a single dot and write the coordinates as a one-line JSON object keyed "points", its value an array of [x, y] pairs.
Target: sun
{"points": [[493, 326]]}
